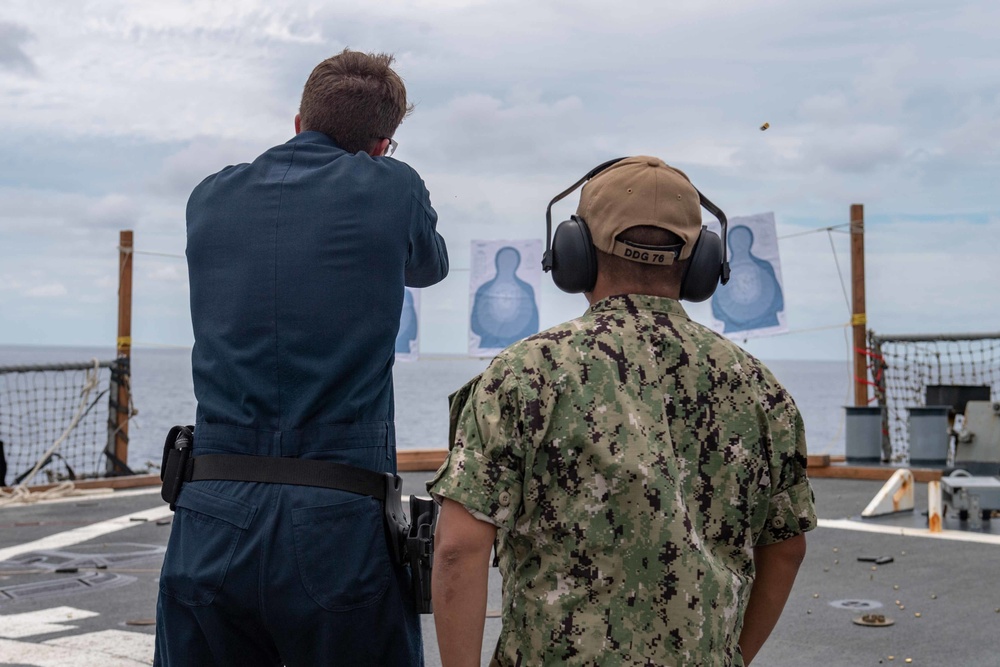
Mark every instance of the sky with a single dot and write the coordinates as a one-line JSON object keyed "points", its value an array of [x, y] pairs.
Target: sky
{"points": [[112, 111]]}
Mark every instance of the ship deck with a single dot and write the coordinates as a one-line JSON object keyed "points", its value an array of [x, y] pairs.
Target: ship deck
{"points": [[78, 584]]}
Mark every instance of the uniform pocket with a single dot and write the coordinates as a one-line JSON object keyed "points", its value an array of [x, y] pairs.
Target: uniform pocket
{"points": [[206, 529], [341, 552]]}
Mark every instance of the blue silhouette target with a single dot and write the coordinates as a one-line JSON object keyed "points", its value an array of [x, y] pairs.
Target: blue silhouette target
{"points": [[504, 308], [753, 302], [406, 339]]}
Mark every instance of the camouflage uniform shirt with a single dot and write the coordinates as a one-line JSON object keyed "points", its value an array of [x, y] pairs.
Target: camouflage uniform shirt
{"points": [[631, 459]]}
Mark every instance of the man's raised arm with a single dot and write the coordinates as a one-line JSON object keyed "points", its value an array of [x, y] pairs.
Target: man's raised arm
{"points": [[427, 263]]}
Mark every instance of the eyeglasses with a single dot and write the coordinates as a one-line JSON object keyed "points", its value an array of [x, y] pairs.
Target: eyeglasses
{"points": [[392, 147]]}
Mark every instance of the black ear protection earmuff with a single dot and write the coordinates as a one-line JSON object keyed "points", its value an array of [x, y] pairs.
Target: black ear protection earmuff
{"points": [[571, 257]]}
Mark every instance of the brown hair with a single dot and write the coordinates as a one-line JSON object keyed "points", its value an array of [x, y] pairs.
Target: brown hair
{"points": [[626, 272], [355, 99]]}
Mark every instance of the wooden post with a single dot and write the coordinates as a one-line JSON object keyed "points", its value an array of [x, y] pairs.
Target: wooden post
{"points": [[859, 318], [118, 444]]}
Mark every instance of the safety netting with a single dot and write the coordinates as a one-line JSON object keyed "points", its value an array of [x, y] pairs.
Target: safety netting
{"points": [[909, 370]]}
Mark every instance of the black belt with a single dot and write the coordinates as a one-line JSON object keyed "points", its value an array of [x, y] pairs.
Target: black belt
{"points": [[411, 543], [275, 470]]}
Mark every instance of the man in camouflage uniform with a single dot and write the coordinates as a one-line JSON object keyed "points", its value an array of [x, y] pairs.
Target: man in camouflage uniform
{"points": [[645, 476]]}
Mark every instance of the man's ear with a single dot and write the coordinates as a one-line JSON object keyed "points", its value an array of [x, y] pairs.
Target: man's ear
{"points": [[380, 147], [298, 123]]}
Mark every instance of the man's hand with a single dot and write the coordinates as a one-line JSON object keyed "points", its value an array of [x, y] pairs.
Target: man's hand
{"points": [[459, 583], [776, 565]]}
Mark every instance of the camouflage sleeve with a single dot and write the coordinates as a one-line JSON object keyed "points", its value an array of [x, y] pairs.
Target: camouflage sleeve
{"points": [[792, 509], [484, 467]]}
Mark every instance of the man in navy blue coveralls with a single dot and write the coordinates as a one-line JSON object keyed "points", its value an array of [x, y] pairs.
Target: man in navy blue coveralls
{"points": [[297, 264]]}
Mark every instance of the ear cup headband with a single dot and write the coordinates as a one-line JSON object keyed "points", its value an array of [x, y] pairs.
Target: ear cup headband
{"points": [[571, 257]]}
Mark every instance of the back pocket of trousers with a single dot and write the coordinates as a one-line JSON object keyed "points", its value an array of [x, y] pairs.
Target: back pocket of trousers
{"points": [[341, 553], [203, 536]]}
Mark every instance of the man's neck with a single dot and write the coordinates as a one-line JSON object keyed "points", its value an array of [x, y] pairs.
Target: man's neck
{"points": [[603, 289]]}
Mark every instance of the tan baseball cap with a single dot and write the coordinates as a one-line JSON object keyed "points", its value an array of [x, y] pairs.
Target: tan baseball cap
{"points": [[640, 191]]}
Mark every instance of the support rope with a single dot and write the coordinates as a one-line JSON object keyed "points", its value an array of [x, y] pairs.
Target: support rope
{"points": [[21, 493], [836, 261]]}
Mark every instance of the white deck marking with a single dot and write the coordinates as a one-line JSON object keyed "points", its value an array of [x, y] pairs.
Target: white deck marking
{"points": [[43, 655], [42, 622], [89, 532], [955, 535], [136, 646], [89, 496]]}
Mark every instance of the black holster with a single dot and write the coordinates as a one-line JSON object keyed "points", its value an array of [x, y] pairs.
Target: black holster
{"points": [[176, 452], [420, 550], [412, 541]]}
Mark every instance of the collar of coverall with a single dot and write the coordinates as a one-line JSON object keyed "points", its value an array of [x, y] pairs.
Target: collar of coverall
{"points": [[312, 137], [639, 302]]}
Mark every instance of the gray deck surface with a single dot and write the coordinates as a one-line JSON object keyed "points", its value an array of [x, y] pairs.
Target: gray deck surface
{"points": [[951, 584]]}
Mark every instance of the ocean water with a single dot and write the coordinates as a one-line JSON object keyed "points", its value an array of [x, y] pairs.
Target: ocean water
{"points": [[163, 394]]}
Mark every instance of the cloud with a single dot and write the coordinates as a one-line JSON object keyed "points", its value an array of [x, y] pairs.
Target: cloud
{"points": [[167, 273], [113, 211], [882, 86], [500, 134], [161, 72], [932, 276], [854, 129], [63, 217], [830, 107], [248, 21], [47, 291], [180, 172], [12, 55], [857, 149], [975, 140], [35, 213], [118, 109]]}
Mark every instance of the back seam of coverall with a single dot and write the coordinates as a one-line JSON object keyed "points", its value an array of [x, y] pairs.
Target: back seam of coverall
{"points": [[263, 563], [274, 247]]}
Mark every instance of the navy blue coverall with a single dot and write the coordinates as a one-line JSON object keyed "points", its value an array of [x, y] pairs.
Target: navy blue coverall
{"points": [[297, 264]]}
